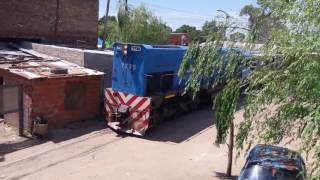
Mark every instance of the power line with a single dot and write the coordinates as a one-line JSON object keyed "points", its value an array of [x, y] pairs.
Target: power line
{"points": [[183, 11], [164, 7], [189, 13], [239, 21]]}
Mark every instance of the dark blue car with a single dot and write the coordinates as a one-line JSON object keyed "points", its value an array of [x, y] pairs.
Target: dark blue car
{"points": [[266, 162]]}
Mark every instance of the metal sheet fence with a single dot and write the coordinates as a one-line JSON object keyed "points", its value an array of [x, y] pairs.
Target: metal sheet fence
{"points": [[11, 101]]}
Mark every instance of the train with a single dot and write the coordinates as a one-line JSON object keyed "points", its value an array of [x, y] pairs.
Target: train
{"points": [[146, 88]]}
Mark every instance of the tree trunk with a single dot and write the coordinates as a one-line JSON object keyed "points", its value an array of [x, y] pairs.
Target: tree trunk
{"points": [[230, 150]]}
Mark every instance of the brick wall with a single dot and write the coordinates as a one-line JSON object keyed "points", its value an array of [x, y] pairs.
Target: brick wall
{"points": [[49, 100], [36, 19], [176, 38]]}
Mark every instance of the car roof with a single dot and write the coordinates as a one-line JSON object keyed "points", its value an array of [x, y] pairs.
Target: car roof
{"points": [[276, 157]]}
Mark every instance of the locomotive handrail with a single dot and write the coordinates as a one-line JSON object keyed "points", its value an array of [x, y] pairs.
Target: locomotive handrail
{"points": [[166, 46], [149, 75], [169, 74]]}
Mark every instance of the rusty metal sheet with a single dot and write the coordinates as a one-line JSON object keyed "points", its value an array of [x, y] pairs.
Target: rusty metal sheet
{"points": [[33, 65], [9, 99]]}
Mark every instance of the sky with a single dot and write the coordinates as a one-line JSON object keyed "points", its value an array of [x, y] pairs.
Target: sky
{"points": [[192, 12]]}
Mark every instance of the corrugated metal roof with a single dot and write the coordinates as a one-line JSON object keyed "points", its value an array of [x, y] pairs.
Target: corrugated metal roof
{"points": [[32, 67]]}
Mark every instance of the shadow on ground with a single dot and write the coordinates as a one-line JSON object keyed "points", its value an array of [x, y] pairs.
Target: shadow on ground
{"points": [[9, 147], [183, 128], [220, 175], [73, 130], [176, 130]]}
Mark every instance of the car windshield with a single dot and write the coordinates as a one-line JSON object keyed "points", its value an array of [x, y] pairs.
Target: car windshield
{"points": [[257, 172]]}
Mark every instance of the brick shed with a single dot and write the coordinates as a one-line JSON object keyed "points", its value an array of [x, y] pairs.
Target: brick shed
{"points": [[68, 22], [58, 91]]}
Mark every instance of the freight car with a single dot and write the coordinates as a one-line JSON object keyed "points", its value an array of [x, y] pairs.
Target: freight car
{"points": [[145, 87]]}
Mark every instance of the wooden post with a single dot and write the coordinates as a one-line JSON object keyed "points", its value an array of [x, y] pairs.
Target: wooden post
{"points": [[230, 150], [57, 19]]}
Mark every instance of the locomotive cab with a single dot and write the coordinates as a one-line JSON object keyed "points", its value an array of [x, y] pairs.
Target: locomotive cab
{"points": [[145, 70], [142, 76]]}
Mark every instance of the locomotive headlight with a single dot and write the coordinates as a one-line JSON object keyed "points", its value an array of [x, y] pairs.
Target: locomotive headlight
{"points": [[125, 49]]}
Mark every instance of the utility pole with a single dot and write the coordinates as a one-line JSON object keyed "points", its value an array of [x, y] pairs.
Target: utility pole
{"points": [[56, 23], [126, 5], [106, 17], [227, 21]]}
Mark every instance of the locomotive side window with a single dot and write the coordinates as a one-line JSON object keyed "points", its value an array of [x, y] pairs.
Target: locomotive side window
{"points": [[167, 82], [153, 84], [159, 83]]}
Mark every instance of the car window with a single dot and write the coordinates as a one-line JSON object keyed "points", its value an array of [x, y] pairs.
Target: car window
{"points": [[258, 172]]}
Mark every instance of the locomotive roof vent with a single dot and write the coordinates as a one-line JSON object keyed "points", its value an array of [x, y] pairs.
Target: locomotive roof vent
{"points": [[165, 46], [59, 70]]}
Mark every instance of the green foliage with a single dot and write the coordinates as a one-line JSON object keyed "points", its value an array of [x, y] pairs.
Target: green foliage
{"points": [[110, 18], [139, 25], [224, 109], [283, 102], [261, 23], [112, 31], [209, 27], [237, 37], [288, 83], [202, 62], [195, 35]]}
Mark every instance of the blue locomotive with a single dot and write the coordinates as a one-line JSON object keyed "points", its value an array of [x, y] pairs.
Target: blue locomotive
{"points": [[145, 87]]}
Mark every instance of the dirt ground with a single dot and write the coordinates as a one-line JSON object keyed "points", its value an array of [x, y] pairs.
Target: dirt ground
{"points": [[178, 149]]}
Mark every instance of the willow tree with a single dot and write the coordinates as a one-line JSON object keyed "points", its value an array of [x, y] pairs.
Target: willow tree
{"points": [[140, 25], [287, 83], [204, 61]]}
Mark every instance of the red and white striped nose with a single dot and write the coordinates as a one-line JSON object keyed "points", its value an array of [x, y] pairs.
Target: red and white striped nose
{"points": [[138, 109]]}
